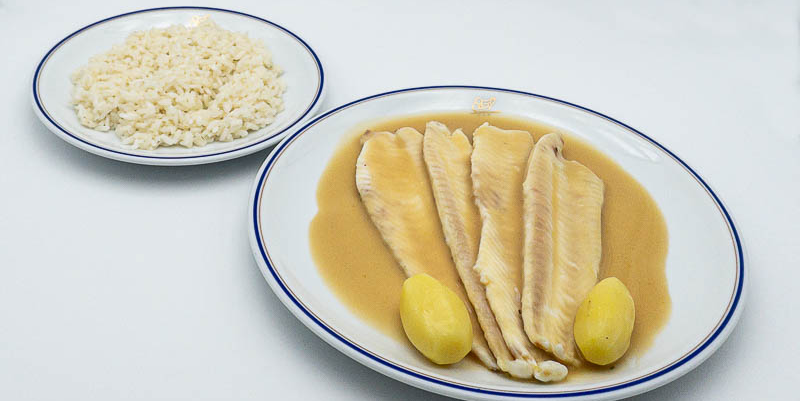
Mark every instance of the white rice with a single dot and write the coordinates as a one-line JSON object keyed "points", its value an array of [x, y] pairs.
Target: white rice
{"points": [[179, 85]]}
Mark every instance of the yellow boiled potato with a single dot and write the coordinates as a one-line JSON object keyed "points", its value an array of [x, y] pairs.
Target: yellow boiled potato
{"points": [[435, 319], [604, 322]]}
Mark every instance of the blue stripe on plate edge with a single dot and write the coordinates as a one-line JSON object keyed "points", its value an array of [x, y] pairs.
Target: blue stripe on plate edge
{"points": [[62, 41], [674, 366]]}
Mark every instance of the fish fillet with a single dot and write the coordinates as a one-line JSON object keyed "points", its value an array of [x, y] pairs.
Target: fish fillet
{"points": [[447, 157], [563, 203], [394, 187], [498, 170]]}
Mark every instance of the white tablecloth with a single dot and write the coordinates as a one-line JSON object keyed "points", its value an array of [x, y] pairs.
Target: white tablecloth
{"points": [[127, 282]]}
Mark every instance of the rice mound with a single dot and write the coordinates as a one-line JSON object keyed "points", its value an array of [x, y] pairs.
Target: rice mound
{"points": [[178, 85]]}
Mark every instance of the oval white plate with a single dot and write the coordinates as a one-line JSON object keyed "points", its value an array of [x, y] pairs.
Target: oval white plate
{"points": [[52, 87], [705, 266]]}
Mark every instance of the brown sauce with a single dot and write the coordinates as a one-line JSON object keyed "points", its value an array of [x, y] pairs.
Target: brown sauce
{"points": [[354, 261]]}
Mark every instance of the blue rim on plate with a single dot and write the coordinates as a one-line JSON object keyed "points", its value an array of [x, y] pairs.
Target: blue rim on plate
{"points": [[44, 60], [732, 307]]}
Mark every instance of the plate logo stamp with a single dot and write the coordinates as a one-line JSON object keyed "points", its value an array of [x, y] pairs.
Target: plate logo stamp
{"points": [[481, 105]]}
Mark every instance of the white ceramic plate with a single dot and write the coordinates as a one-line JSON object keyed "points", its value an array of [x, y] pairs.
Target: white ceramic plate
{"points": [[705, 264], [52, 87]]}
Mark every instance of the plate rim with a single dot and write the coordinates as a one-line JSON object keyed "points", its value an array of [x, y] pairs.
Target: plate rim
{"points": [[168, 160], [649, 381]]}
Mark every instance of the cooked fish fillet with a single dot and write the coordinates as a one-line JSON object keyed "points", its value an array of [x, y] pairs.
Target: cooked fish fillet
{"points": [[498, 170], [563, 203], [394, 187], [447, 157]]}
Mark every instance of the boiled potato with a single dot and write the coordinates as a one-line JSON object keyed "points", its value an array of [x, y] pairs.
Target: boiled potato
{"points": [[435, 319], [604, 322]]}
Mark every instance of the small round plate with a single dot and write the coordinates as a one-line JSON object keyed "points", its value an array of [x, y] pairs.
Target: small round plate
{"points": [[52, 88], [705, 262]]}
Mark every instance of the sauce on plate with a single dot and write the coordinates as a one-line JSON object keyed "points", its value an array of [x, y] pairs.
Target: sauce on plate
{"points": [[354, 261]]}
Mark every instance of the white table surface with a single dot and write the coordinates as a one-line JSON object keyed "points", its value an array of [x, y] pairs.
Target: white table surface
{"points": [[127, 282]]}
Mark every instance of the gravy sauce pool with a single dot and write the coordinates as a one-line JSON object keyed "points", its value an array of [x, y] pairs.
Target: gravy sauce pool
{"points": [[353, 259]]}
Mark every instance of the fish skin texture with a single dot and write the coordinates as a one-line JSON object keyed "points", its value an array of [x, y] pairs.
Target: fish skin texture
{"points": [[393, 183], [563, 205]]}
